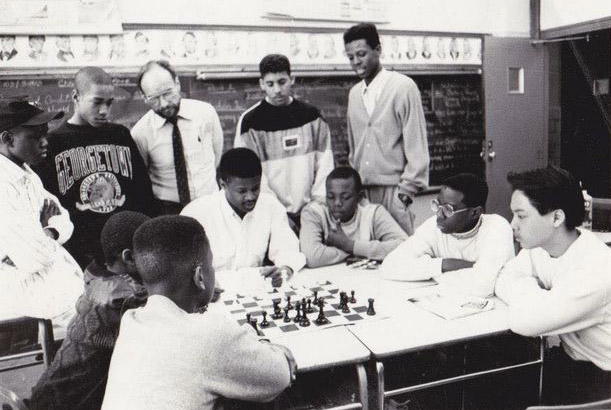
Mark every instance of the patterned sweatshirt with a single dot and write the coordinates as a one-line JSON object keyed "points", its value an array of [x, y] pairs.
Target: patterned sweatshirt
{"points": [[294, 145], [77, 377]]}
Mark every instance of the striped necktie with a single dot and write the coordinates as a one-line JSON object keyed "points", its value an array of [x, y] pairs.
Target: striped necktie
{"points": [[180, 164]]}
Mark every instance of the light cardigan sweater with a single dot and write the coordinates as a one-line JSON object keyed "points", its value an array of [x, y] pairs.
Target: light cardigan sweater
{"points": [[374, 232], [569, 296], [390, 146], [166, 358], [489, 245]]}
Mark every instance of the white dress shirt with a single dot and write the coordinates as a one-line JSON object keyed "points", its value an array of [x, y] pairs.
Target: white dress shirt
{"points": [[489, 245], [202, 140], [38, 277], [371, 93], [242, 242]]}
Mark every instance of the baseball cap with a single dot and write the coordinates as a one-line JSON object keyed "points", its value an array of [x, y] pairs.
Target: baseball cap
{"points": [[18, 112]]}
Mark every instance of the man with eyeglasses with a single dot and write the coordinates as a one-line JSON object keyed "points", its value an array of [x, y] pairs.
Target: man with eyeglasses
{"points": [[180, 140], [460, 247]]}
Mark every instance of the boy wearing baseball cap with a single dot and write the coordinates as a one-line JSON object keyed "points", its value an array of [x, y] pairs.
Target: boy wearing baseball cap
{"points": [[38, 277]]}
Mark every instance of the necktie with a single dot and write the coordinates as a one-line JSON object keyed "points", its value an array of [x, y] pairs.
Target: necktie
{"points": [[180, 164]]}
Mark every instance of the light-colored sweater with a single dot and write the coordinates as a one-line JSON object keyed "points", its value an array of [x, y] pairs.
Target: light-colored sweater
{"points": [[390, 146], [569, 296], [166, 358], [374, 231], [489, 245]]}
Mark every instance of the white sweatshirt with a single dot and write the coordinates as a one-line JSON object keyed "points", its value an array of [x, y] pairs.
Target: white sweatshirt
{"points": [[489, 245], [569, 296]]}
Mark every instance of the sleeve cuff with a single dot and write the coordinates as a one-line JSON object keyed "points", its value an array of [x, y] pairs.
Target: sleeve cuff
{"points": [[360, 248], [63, 227], [434, 268]]}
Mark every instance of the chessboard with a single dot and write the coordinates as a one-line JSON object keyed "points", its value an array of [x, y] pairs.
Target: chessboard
{"points": [[279, 312]]}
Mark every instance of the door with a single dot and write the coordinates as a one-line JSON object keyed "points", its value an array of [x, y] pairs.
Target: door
{"points": [[516, 114]]}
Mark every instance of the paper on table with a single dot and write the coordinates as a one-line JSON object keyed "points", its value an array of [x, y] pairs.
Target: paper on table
{"points": [[453, 306]]}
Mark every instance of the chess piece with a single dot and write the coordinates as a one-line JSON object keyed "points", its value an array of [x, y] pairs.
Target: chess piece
{"points": [[341, 300], [315, 297], [345, 308], [297, 318], [310, 309], [264, 322], [352, 299], [248, 318], [321, 319], [286, 315], [288, 303], [277, 311], [303, 302], [370, 310], [253, 323], [305, 322]]}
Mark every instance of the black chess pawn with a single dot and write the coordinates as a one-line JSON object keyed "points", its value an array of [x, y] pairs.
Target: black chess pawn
{"points": [[286, 315], [310, 309], [297, 318], [370, 310], [352, 298], [264, 322], [277, 311], [315, 297], [321, 319], [303, 302], [305, 322], [288, 303]]}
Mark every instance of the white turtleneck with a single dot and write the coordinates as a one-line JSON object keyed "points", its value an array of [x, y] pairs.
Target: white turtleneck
{"points": [[489, 245]]}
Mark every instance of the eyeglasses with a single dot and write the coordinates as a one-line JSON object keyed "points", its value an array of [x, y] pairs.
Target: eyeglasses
{"points": [[156, 98], [446, 209]]}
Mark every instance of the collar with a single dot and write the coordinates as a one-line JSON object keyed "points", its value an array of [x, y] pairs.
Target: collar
{"points": [[184, 112], [12, 171], [363, 202], [378, 81], [291, 99], [471, 233], [228, 211]]}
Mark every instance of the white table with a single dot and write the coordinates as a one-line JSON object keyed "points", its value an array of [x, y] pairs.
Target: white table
{"points": [[410, 328], [399, 327]]}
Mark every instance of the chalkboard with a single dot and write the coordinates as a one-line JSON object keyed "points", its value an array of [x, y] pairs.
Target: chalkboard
{"points": [[452, 106]]}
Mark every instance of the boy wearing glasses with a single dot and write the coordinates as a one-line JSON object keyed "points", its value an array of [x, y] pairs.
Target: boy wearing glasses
{"points": [[460, 247], [180, 140]]}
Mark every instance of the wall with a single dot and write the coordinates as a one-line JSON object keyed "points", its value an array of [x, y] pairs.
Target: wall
{"points": [[559, 13], [497, 17]]}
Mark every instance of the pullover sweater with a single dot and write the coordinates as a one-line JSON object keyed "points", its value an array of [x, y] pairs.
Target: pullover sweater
{"points": [[294, 145], [489, 245], [569, 296]]}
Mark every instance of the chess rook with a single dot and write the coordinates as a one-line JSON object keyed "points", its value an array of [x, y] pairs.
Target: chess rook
{"points": [[370, 310]]}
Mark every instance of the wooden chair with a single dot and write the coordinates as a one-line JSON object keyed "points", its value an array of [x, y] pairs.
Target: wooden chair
{"points": [[595, 405], [19, 338], [10, 401]]}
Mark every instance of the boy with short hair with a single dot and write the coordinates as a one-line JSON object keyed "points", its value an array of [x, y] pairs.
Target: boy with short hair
{"points": [[244, 225], [77, 377], [38, 277], [94, 166], [560, 284], [290, 137], [386, 128], [460, 247], [172, 353], [347, 224]]}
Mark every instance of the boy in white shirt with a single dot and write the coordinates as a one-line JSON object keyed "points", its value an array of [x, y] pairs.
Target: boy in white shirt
{"points": [[243, 224], [172, 353], [560, 284], [460, 247], [38, 277]]}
